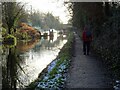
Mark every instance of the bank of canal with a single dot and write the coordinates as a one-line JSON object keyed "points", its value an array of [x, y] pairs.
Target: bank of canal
{"points": [[54, 75], [22, 63]]}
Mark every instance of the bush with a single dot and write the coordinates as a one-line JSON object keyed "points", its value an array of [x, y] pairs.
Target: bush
{"points": [[107, 44]]}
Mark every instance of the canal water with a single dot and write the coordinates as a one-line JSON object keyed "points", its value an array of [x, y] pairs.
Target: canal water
{"points": [[22, 63]]}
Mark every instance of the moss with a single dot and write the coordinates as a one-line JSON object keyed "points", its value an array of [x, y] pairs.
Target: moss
{"points": [[3, 31], [10, 41]]}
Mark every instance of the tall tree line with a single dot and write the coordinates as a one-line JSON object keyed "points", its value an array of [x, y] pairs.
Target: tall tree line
{"points": [[105, 21], [45, 21]]}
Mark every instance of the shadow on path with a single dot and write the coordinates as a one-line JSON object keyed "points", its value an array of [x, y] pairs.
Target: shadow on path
{"points": [[86, 71]]}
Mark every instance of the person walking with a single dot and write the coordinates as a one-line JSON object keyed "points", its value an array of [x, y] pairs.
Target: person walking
{"points": [[87, 38]]}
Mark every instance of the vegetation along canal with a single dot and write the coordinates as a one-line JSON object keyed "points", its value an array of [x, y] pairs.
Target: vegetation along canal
{"points": [[22, 63]]}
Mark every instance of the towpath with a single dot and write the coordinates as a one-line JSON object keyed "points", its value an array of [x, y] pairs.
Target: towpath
{"points": [[86, 71]]}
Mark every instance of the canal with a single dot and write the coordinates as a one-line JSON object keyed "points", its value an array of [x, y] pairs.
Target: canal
{"points": [[23, 62]]}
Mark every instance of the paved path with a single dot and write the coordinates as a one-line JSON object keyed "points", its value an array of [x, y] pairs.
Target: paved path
{"points": [[86, 71]]}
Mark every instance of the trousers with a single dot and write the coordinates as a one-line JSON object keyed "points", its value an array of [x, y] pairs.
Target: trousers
{"points": [[86, 47]]}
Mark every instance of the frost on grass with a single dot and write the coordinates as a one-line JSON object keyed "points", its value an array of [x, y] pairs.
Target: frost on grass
{"points": [[56, 80], [117, 85]]}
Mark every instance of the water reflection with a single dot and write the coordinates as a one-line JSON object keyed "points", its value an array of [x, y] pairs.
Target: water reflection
{"points": [[24, 46], [10, 65], [23, 63]]}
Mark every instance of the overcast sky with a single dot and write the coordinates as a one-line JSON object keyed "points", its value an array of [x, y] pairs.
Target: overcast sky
{"points": [[55, 7]]}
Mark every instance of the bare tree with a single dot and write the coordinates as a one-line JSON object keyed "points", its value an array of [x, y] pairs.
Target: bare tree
{"points": [[11, 14]]}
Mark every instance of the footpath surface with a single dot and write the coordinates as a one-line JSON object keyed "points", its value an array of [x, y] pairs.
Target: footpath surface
{"points": [[86, 71]]}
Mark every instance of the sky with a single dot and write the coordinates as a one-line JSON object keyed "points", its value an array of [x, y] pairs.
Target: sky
{"points": [[55, 7]]}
